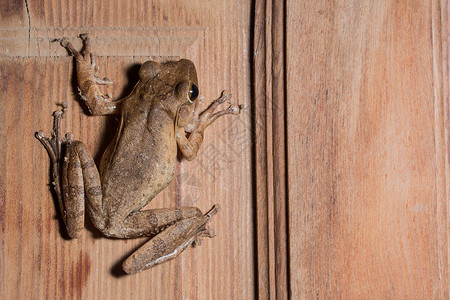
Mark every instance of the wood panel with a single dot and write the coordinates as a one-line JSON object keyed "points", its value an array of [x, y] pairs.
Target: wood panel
{"points": [[367, 115], [270, 161], [37, 261]]}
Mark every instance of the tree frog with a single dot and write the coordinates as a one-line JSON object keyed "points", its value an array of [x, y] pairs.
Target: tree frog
{"points": [[157, 118]]}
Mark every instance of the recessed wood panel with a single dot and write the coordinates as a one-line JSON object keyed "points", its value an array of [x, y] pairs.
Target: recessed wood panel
{"points": [[37, 261]]}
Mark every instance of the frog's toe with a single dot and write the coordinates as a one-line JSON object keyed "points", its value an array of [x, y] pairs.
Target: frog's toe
{"points": [[84, 35], [208, 232], [214, 210], [224, 97], [64, 42], [103, 81], [203, 232], [39, 135]]}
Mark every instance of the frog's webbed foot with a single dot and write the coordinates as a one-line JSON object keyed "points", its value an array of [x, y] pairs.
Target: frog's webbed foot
{"points": [[88, 80], [54, 143], [190, 146], [209, 116], [205, 231], [88, 58], [91, 58]]}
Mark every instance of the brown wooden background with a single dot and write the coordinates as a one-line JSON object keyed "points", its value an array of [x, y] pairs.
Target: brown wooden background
{"points": [[333, 183]]}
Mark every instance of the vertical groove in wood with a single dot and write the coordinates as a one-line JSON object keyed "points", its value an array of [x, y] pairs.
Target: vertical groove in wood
{"points": [[279, 140], [270, 149], [262, 256], [440, 73], [13, 209], [446, 84], [3, 86]]}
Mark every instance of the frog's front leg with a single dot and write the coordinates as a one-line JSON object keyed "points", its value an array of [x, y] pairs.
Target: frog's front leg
{"points": [[190, 146], [88, 81]]}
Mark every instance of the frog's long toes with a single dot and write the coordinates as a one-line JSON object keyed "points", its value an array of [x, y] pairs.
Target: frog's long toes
{"points": [[69, 137], [197, 241], [234, 109], [60, 112], [210, 233], [214, 210], [207, 232], [104, 80], [39, 135], [64, 42], [204, 232], [224, 97], [84, 36]]}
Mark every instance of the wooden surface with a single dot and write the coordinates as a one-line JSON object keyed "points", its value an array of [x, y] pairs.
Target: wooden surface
{"points": [[270, 149], [367, 114], [333, 184], [37, 261]]}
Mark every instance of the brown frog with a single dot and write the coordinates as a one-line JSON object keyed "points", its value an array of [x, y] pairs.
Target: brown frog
{"points": [[159, 116]]}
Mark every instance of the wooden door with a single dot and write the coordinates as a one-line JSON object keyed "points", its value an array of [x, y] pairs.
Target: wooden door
{"points": [[333, 183]]}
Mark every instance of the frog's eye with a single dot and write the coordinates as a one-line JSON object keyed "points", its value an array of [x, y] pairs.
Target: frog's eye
{"points": [[193, 92]]}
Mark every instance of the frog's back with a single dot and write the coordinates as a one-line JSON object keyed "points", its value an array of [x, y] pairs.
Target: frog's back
{"points": [[140, 161]]}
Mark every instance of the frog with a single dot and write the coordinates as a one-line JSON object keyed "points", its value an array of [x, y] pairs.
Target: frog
{"points": [[158, 119]]}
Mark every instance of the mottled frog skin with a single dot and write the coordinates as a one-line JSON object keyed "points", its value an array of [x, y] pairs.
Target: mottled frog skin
{"points": [[159, 117]]}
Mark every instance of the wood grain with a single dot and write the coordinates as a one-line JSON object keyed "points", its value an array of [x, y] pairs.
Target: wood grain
{"points": [[37, 261], [333, 184], [367, 108]]}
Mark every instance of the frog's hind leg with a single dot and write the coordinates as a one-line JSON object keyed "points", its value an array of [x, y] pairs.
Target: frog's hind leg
{"points": [[169, 243], [73, 173], [81, 186]]}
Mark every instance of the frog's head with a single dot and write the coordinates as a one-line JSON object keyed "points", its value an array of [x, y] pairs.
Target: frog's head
{"points": [[175, 86]]}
